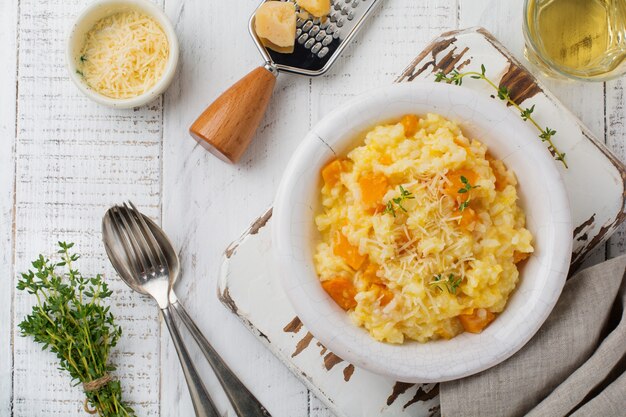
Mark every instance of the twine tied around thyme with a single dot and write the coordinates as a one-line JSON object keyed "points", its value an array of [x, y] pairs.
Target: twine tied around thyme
{"points": [[95, 385]]}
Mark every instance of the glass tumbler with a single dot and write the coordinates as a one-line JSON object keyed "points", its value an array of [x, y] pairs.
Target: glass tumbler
{"points": [[580, 39]]}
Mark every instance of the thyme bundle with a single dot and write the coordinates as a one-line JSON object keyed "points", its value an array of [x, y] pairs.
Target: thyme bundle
{"points": [[71, 320]]}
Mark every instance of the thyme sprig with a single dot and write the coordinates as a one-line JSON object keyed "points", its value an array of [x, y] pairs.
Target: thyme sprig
{"points": [[71, 320], [404, 195], [450, 283], [546, 134], [467, 187]]}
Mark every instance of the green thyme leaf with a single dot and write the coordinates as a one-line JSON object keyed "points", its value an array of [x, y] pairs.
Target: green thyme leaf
{"points": [[451, 284], [391, 205]]}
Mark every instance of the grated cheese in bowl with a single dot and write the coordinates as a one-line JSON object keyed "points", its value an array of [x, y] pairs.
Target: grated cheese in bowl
{"points": [[124, 55]]}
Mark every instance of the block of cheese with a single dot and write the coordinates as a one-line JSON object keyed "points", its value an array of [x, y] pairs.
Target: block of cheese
{"points": [[318, 8], [275, 24]]}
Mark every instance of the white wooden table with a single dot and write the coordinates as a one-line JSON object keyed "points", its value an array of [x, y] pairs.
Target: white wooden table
{"points": [[64, 160]]}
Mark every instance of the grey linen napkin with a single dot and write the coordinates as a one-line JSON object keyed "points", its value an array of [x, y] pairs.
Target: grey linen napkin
{"points": [[574, 366]]}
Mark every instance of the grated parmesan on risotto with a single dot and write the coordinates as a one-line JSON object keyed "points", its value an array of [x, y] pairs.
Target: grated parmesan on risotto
{"points": [[420, 232]]}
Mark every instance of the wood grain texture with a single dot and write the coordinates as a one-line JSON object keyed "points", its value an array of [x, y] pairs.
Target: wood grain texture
{"points": [[206, 203], [8, 78], [235, 195], [228, 125], [73, 159], [615, 132]]}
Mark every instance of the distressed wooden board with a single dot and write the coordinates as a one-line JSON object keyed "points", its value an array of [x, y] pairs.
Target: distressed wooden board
{"points": [[615, 134], [250, 289], [248, 284], [596, 178]]}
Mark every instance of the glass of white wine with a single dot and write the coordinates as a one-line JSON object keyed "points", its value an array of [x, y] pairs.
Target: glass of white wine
{"points": [[580, 39]]}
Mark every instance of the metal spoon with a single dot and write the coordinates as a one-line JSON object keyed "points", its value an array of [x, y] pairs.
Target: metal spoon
{"points": [[134, 260], [242, 400]]}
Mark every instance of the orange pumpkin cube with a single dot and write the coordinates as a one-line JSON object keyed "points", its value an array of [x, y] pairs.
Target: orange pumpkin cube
{"points": [[384, 294], [468, 218], [369, 274], [342, 291], [343, 248], [332, 172], [373, 188], [456, 183], [410, 122], [477, 320]]}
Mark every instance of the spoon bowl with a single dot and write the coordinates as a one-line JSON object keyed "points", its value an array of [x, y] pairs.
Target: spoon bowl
{"points": [[115, 250], [128, 253], [141, 262], [146, 260]]}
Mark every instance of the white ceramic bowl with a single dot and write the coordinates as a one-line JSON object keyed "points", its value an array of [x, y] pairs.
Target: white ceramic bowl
{"points": [[88, 18], [542, 195]]}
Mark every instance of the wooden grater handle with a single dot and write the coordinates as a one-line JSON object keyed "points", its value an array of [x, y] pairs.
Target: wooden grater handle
{"points": [[227, 126]]}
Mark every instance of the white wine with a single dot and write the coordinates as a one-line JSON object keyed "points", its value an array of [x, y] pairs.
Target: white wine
{"points": [[578, 38]]}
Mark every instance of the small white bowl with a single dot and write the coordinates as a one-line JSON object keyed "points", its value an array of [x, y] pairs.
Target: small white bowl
{"points": [[101, 9], [542, 196]]}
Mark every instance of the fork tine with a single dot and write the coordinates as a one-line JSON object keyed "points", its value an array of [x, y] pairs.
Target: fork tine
{"points": [[140, 236], [157, 252], [131, 233], [123, 237]]}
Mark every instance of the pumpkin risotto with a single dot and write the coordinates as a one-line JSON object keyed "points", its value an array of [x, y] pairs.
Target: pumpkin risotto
{"points": [[421, 233]]}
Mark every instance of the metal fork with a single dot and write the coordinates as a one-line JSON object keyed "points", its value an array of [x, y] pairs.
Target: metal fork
{"points": [[154, 260], [135, 261]]}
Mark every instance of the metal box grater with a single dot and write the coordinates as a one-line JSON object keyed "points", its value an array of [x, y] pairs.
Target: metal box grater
{"points": [[227, 126], [319, 41]]}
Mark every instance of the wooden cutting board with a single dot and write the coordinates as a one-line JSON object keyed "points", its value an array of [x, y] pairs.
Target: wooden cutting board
{"points": [[249, 287]]}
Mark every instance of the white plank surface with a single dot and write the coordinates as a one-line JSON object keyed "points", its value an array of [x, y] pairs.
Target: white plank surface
{"points": [[8, 77], [74, 158], [615, 132]]}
